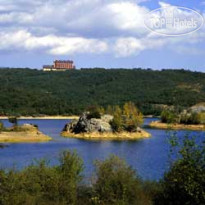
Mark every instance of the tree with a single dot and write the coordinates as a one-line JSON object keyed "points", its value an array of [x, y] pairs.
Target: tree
{"points": [[41, 183], [117, 123], [184, 183], [133, 118], [202, 117], [193, 118], [116, 182], [94, 112], [169, 116], [101, 110], [70, 169], [109, 110]]}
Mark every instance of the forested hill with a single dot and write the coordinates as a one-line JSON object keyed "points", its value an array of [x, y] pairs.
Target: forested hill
{"points": [[33, 92]]}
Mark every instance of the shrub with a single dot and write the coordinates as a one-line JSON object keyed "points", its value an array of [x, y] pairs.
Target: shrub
{"points": [[69, 170], [133, 118], [168, 116], [41, 184], [117, 123], [185, 181], [116, 183], [129, 118], [109, 110], [202, 117], [193, 118], [94, 112]]}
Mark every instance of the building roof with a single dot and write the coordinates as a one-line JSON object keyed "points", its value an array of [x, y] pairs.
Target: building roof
{"points": [[63, 61]]}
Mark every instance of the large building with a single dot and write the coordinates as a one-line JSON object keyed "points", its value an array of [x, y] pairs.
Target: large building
{"points": [[59, 65]]}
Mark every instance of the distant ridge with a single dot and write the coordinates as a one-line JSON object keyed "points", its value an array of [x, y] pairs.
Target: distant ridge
{"points": [[33, 92]]}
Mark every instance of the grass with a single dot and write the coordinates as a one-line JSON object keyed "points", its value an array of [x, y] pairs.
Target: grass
{"points": [[109, 135], [24, 133], [160, 125]]}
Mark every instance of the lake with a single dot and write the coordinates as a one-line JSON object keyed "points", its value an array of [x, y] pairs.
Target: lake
{"points": [[148, 156]]}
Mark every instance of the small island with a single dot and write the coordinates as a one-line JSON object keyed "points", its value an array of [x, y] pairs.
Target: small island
{"points": [[188, 119], [43, 117], [113, 124], [21, 133]]}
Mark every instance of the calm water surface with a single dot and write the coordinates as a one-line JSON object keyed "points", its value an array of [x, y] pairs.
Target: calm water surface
{"points": [[149, 156]]}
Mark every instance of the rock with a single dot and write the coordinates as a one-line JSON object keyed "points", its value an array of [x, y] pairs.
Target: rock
{"points": [[198, 108], [86, 125], [70, 126], [107, 118], [139, 129]]}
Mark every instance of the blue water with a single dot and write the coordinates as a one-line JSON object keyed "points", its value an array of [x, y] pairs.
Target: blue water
{"points": [[148, 156]]}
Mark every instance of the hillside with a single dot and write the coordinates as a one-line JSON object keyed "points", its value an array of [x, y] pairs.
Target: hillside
{"points": [[33, 92]]}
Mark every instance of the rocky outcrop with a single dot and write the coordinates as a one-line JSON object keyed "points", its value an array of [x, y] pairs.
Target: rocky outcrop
{"points": [[69, 127], [198, 108], [87, 125], [99, 129]]}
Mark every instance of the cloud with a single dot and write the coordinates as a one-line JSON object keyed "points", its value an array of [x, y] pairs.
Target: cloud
{"points": [[125, 47], [128, 46], [61, 27], [82, 17], [52, 44]]}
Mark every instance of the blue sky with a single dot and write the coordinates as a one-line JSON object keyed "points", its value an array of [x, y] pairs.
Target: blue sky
{"points": [[95, 33]]}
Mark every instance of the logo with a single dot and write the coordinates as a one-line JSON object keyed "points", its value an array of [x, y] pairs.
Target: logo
{"points": [[173, 21]]}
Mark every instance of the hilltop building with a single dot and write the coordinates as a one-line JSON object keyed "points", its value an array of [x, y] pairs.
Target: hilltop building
{"points": [[60, 65]]}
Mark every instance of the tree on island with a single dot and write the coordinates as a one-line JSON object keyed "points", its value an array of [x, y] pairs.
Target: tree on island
{"points": [[117, 122], [169, 116], [172, 116], [129, 118], [95, 112], [133, 118]]}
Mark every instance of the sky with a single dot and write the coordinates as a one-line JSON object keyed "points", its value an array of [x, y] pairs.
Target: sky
{"points": [[95, 33]]}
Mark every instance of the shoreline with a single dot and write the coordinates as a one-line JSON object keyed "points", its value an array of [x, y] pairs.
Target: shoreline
{"points": [[160, 125], [54, 117], [57, 117], [22, 137], [30, 134], [108, 135]]}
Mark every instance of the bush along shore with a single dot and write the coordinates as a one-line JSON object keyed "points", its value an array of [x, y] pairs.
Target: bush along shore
{"points": [[21, 133], [190, 119], [113, 183], [118, 124]]}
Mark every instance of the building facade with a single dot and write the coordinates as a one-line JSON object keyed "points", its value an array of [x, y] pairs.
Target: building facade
{"points": [[60, 65]]}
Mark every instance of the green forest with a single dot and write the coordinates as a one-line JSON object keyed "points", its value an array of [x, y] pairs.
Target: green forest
{"points": [[34, 92]]}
